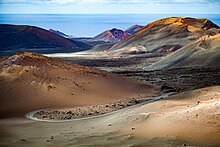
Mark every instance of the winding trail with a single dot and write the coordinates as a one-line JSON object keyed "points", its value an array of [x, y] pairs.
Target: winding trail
{"points": [[147, 100]]}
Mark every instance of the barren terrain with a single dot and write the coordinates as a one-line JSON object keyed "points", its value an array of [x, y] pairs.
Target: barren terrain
{"points": [[158, 87], [187, 119], [37, 82]]}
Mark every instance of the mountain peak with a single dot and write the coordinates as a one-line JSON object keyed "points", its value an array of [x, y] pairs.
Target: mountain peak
{"points": [[114, 29], [112, 35], [195, 22], [133, 29], [192, 24]]}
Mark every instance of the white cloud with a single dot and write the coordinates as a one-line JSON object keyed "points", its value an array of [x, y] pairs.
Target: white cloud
{"points": [[53, 1], [108, 1], [74, 1]]}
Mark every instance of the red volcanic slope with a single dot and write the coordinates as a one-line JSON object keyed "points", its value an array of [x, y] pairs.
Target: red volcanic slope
{"points": [[28, 37], [113, 35]]}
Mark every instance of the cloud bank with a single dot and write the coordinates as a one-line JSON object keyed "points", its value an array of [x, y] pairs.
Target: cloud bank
{"points": [[110, 1], [110, 6]]}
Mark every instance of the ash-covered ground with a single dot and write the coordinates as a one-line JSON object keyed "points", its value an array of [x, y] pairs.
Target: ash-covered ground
{"points": [[178, 79]]}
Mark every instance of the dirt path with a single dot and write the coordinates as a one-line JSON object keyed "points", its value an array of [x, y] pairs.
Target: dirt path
{"points": [[37, 115]]}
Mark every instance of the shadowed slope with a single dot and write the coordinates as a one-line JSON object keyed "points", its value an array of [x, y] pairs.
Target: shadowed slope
{"points": [[16, 37], [203, 53]]}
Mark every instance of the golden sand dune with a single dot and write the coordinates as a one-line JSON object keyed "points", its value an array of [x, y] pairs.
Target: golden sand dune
{"points": [[30, 81]]}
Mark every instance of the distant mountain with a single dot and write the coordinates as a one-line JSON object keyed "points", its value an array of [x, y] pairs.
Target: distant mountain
{"points": [[59, 33], [108, 38], [113, 35], [165, 36], [133, 29], [15, 38]]}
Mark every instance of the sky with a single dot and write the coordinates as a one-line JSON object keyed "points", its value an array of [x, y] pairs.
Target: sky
{"points": [[109, 6]]}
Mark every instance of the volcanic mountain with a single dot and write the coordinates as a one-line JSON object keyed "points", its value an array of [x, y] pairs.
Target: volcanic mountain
{"points": [[113, 35], [165, 35], [30, 81], [15, 38], [133, 29]]}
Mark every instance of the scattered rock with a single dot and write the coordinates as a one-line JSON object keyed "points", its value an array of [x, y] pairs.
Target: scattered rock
{"points": [[136, 101], [67, 117], [49, 87], [90, 113], [69, 112], [121, 105]]}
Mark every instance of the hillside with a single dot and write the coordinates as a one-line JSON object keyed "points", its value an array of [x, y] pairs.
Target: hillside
{"points": [[203, 53], [165, 35], [30, 81], [15, 38]]}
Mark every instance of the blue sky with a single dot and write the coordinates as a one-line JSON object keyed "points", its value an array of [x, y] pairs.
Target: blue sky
{"points": [[110, 6]]}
